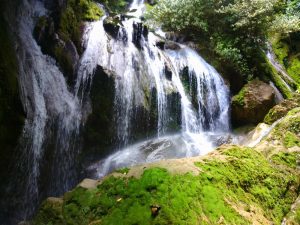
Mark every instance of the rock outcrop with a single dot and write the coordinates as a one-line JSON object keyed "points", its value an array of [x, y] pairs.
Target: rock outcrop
{"points": [[282, 109], [252, 103]]}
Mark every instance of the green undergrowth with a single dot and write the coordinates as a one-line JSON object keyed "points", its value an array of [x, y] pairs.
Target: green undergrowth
{"points": [[244, 179]]}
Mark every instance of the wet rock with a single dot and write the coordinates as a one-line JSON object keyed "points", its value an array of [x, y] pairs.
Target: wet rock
{"points": [[173, 36], [168, 72], [252, 103], [151, 2], [161, 45], [139, 31], [172, 45], [63, 50], [111, 26], [155, 210]]}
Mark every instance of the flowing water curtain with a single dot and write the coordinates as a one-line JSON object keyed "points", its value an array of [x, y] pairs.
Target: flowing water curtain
{"points": [[53, 120]]}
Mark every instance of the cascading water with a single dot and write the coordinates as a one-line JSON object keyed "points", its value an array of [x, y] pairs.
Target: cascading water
{"points": [[56, 112], [138, 65], [48, 145]]}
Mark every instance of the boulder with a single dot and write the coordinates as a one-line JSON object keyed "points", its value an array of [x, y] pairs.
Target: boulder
{"points": [[252, 103], [282, 109]]}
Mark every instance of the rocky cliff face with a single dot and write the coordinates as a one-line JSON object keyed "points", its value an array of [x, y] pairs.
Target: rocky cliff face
{"points": [[12, 115]]}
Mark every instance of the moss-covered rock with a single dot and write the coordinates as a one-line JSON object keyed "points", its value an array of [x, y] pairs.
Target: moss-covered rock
{"points": [[252, 103], [287, 51], [287, 131], [229, 188], [282, 109], [60, 34]]}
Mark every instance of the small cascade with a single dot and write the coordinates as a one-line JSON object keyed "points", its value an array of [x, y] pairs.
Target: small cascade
{"points": [[278, 96], [288, 82], [211, 93]]}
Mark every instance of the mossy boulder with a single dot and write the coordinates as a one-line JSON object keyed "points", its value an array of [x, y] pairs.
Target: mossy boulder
{"points": [[252, 103], [282, 109], [286, 133]]}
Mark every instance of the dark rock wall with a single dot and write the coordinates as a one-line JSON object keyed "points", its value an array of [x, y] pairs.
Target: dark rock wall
{"points": [[12, 115]]}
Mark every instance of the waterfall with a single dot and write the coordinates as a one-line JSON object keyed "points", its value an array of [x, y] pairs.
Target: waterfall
{"points": [[138, 64], [56, 112], [53, 120]]}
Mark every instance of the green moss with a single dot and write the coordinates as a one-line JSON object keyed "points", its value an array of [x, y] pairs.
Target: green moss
{"points": [[122, 170], [291, 140], [287, 56], [188, 199], [297, 217], [91, 10], [238, 99], [287, 107], [276, 78], [294, 111], [288, 159], [51, 208], [72, 16], [264, 187]]}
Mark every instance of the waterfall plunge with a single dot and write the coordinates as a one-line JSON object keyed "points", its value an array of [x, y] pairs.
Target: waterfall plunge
{"points": [[138, 63]]}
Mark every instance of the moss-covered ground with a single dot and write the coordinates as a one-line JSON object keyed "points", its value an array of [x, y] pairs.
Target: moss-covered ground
{"points": [[227, 191]]}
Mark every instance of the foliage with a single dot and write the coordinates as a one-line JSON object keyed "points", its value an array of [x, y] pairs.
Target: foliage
{"points": [[234, 30], [115, 6]]}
